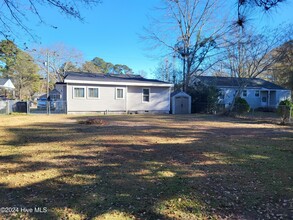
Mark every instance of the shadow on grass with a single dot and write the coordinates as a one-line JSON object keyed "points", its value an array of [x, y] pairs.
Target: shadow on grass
{"points": [[151, 170]]}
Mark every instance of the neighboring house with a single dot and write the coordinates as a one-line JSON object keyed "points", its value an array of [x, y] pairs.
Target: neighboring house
{"points": [[88, 92], [6, 85], [53, 95], [258, 92], [37, 95]]}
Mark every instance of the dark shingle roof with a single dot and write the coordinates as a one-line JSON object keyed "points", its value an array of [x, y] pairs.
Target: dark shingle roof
{"points": [[256, 83], [109, 77], [3, 81]]}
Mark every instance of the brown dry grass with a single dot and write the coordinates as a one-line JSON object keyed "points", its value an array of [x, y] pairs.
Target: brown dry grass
{"points": [[144, 167]]}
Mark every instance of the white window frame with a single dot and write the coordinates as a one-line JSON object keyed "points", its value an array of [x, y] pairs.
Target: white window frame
{"points": [[78, 87], [257, 91], [92, 87], [116, 93], [143, 94], [245, 90]]}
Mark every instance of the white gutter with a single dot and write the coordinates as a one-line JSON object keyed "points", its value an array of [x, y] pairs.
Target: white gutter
{"points": [[119, 83]]}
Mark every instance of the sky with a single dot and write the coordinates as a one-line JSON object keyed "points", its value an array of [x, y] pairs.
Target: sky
{"points": [[111, 31]]}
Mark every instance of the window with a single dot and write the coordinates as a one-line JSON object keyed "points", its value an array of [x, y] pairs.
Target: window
{"points": [[78, 92], [93, 93], [119, 93], [145, 95], [256, 93], [244, 93]]}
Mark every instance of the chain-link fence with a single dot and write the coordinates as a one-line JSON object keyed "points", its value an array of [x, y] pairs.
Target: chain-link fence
{"points": [[7, 106], [39, 107], [208, 108], [269, 113]]}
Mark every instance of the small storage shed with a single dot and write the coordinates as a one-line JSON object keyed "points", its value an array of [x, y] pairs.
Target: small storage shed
{"points": [[180, 103]]}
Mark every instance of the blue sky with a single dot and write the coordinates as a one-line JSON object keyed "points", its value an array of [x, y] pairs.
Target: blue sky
{"points": [[111, 30]]}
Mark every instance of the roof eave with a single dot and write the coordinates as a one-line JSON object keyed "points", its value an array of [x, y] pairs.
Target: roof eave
{"points": [[119, 83]]}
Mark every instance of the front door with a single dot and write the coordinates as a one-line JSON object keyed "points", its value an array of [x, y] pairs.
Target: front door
{"points": [[264, 98], [181, 105]]}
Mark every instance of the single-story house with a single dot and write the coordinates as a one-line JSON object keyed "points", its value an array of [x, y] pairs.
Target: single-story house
{"points": [[89, 92], [258, 93]]}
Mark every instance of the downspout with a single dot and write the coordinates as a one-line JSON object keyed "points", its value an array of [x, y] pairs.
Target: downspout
{"points": [[126, 99], [66, 86]]}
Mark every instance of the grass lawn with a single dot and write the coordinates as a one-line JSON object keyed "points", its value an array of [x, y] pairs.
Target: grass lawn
{"points": [[144, 167]]}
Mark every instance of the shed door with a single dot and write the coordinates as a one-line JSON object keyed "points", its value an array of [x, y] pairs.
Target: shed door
{"points": [[181, 105]]}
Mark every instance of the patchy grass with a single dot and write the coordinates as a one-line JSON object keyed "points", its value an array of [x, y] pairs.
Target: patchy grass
{"points": [[144, 167]]}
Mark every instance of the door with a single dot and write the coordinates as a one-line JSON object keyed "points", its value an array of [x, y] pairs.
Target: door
{"points": [[264, 98], [181, 105]]}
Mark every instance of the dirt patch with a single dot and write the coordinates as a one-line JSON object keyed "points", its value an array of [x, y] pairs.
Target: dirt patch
{"points": [[93, 121]]}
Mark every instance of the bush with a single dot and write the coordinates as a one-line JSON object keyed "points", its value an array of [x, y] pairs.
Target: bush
{"points": [[284, 109], [241, 105], [204, 98]]}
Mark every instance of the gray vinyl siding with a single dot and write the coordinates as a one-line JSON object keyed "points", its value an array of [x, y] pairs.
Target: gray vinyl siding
{"points": [[159, 99], [106, 102]]}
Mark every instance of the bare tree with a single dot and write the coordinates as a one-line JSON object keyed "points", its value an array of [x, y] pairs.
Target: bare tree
{"points": [[248, 55], [191, 30], [17, 14], [60, 58]]}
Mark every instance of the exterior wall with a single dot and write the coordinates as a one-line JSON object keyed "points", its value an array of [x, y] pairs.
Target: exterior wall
{"points": [[159, 99], [256, 101], [252, 100], [106, 102], [228, 96]]}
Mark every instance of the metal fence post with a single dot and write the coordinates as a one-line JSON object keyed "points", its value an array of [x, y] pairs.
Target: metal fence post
{"points": [[290, 114], [7, 107], [27, 107]]}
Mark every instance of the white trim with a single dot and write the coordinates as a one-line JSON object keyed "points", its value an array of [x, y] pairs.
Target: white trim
{"points": [[80, 87], [142, 95], [118, 83], [92, 87], [126, 99], [123, 89]]}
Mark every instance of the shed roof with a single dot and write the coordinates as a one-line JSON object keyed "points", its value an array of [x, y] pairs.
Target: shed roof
{"points": [[115, 78], [256, 83], [179, 92]]}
